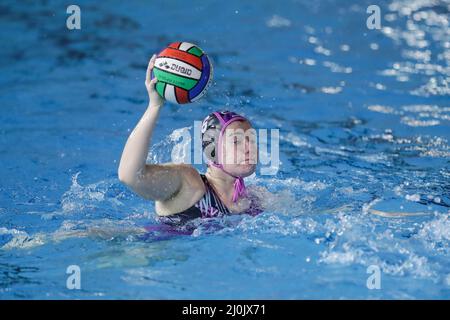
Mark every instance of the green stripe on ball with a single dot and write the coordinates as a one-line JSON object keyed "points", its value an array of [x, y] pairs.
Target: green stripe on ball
{"points": [[175, 80], [195, 51]]}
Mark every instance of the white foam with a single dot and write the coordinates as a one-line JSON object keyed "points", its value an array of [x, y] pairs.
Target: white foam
{"points": [[21, 239], [277, 21], [436, 230], [295, 140], [331, 90], [381, 109]]}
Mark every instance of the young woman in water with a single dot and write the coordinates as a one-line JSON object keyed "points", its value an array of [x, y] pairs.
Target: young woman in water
{"points": [[179, 191]]}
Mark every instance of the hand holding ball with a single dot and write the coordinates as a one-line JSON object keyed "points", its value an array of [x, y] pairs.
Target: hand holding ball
{"points": [[183, 72]]}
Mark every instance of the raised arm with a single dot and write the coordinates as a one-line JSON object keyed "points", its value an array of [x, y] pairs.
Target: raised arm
{"points": [[151, 181]]}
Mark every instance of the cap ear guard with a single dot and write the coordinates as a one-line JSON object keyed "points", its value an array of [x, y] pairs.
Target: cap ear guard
{"points": [[210, 136], [209, 144]]}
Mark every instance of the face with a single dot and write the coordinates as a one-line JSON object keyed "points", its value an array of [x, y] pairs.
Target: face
{"points": [[239, 149]]}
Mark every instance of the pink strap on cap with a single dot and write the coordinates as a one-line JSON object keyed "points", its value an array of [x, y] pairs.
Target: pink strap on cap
{"points": [[239, 185]]}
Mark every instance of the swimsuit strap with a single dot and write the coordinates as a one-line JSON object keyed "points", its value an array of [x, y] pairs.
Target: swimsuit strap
{"points": [[210, 204]]}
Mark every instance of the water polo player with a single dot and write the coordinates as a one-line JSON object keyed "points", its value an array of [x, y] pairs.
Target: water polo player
{"points": [[180, 192]]}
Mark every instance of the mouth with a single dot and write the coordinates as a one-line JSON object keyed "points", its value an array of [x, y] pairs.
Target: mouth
{"points": [[249, 161]]}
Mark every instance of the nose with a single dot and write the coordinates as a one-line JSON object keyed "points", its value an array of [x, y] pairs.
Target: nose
{"points": [[249, 146]]}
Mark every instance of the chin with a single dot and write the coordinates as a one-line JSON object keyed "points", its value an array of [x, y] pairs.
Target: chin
{"points": [[245, 170]]}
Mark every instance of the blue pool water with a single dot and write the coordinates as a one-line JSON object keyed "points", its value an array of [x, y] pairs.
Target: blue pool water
{"points": [[364, 179]]}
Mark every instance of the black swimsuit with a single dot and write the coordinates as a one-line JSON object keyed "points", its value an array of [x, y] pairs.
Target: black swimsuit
{"points": [[208, 206]]}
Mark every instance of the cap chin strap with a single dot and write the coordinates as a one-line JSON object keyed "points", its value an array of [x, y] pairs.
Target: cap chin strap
{"points": [[239, 185]]}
